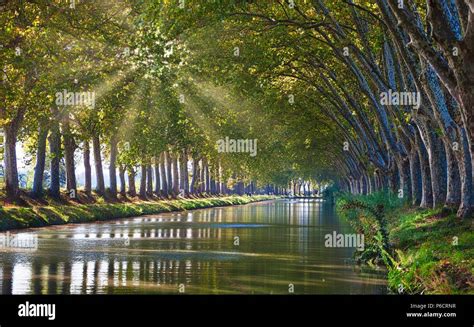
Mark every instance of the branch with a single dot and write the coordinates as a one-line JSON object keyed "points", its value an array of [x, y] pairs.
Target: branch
{"points": [[419, 41]]}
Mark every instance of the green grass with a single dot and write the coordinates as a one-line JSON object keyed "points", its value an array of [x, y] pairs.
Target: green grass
{"points": [[38, 216], [429, 251], [435, 250]]}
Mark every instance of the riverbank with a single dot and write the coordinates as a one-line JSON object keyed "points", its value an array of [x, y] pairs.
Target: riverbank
{"points": [[426, 251], [58, 214]]}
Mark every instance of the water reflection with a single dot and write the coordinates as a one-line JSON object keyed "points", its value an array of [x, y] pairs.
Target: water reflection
{"points": [[280, 243]]}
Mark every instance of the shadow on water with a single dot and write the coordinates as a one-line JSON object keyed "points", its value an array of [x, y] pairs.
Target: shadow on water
{"points": [[269, 247]]}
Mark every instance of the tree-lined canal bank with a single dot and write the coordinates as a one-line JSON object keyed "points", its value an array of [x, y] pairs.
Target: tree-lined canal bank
{"points": [[62, 213]]}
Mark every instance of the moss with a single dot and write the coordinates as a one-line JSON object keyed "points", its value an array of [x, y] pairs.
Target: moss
{"points": [[38, 216]]}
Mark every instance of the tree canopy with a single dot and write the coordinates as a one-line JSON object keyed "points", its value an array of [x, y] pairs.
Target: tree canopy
{"points": [[364, 95]]}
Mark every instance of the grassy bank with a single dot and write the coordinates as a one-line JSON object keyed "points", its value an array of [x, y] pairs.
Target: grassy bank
{"points": [[427, 251], [56, 214]]}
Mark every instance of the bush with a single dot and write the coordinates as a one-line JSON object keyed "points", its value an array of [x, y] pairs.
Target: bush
{"points": [[367, 215]]}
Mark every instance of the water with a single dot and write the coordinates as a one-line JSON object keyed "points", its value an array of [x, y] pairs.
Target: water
{"points": [[269, 247]]}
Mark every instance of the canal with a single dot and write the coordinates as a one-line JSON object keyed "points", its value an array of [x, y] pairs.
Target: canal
{"points": [[272, 247]]}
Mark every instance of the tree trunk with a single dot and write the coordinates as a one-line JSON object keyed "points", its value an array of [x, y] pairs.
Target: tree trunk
{"points": [[69, 148], [194, 177], [11, 169], [415, 175], [213, 180], [181, 171], [40, 162], [143, 181], [221, 180], [55, 153], [465, 172], [164, 178], [184, 169], [435, 154], [370, 178], [438, 172], [403, 166], [169, 172], [87, 168], [99, 172], [149, 180], [201, 177], [113, 166], [453, 188], [208, 176], [240, 188], [426, 192], [123, 187], [132, 190], [157, 176], [174, 158]]}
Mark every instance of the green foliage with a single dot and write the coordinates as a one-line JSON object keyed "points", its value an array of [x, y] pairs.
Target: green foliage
{"points": [[429, 250], [367, 214]]}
